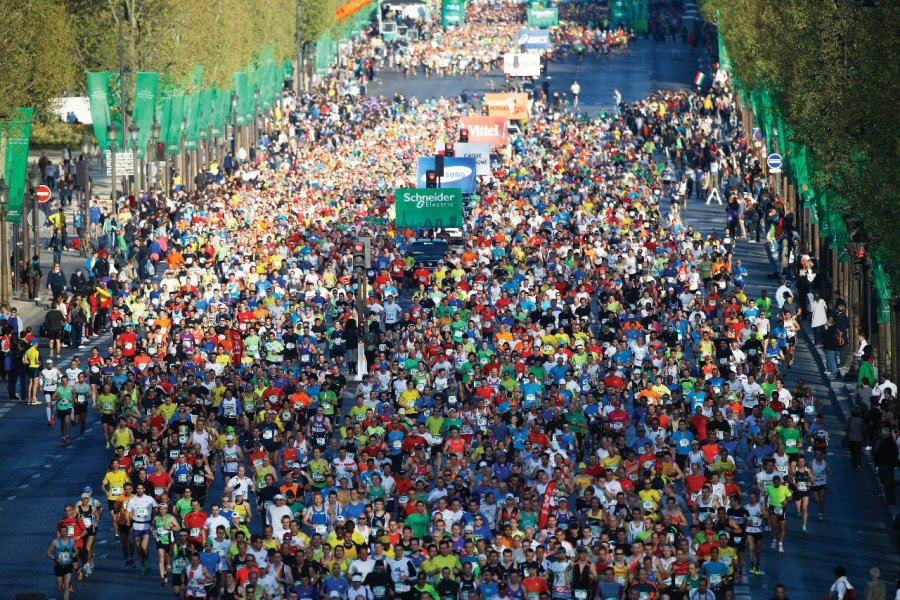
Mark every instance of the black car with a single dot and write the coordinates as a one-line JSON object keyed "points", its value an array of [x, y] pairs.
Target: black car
{"points": [[428, 252]]}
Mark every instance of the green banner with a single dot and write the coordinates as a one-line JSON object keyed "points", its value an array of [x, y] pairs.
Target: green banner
{"points": [[453, 12], [204, 112], [98, 94], [221, 115], [190, 106], [242, 85], [145, 89], [17, 134], [176, 112], [427, 208], [543, 17]]}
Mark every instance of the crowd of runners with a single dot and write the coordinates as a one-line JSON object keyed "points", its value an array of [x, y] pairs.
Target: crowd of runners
{"points": [[580, 401]]}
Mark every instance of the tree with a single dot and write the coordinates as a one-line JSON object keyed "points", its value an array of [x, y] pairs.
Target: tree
{"points": [[832, 66], [35, 65]]}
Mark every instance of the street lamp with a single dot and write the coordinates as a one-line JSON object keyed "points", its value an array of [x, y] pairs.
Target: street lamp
{"points": [[87, 150], [5, 278], [34, 180], [112, 134], [151, 151], [234, 129], [134, 132], [255, 117]]}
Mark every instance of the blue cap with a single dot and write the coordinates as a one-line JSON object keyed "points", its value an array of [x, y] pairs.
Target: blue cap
{"points": [[87, 488]]}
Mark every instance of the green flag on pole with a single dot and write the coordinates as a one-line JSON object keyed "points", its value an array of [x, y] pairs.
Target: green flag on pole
{"points": [[18, 136]]}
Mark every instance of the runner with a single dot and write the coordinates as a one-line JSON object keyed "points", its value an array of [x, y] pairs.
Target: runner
{"points": [[777, 496], [165, 530], [62, 553], [821, 475], [63, 397], [50, 378], [140, 509]]}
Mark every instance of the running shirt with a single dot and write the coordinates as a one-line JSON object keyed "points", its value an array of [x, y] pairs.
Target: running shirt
{"points": [[819, 473], [141, 507], [116, 482]]}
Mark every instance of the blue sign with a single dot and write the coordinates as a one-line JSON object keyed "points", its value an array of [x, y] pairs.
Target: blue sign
{"points": [[533, 39], [459, 172], [774, 162], [757, 134]]}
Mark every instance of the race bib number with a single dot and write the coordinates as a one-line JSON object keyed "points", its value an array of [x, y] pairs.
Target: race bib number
{"points": [[115, 490], [321, 529], [195, 532], [267, 434], [401, 588]]}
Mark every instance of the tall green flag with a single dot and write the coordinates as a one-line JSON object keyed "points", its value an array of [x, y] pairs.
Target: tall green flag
{"points": [[191, 131], [98, 94], [17, 132], [145, 89], [242, 84], [204, 111], [173, 140]]}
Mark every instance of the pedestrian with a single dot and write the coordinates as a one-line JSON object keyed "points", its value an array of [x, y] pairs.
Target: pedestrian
{"points": [[841, 588], [831, 344], [885, 457], [855, 436], [818, 316], [875, 588]]}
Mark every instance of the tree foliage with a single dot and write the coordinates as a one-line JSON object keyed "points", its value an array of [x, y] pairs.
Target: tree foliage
{"points": [[174, 36], [834, 68], [36, 64]]}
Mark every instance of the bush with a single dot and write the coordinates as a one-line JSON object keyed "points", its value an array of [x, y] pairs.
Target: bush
{"points": [[58, 134]]}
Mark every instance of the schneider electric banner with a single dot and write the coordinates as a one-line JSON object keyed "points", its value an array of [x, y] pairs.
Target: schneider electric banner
{"points": [[543, 17], [459, 172], [428, 208]]}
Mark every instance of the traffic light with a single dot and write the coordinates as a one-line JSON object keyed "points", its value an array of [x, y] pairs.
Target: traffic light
{"points": [[439, 165], [464, 136], [430, 179], [448, 150], [160, 151], [362, 255]]}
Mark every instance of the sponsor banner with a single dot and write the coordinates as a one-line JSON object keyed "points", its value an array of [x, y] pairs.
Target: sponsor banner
{"points": [[514, 107], [533, 39], [459, 172], [486, 130], [428, 208], [522, 65], [480, 152], [543, 17]]}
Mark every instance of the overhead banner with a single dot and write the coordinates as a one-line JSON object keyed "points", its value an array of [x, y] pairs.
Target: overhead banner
{"points": [[533, 39], [543, 17], [486, 130], [453, 12], [15, 170], [428, 208], [511, 106], [459, 172], [522, 64], [480, 152]]}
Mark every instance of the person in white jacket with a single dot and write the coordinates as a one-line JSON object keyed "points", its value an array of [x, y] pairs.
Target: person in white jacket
{"points": [[819, 317], [841, 585]]}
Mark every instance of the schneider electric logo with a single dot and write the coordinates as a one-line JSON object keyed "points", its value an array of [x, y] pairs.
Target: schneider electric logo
{"points": [[429, 200]]}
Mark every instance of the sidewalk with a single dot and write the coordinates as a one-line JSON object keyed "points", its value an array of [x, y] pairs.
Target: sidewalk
{"points": [[33, 312]]}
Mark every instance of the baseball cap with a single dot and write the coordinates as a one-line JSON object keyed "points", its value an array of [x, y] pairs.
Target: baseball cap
{"points": [[87, 488], [356, 577], [279, 496]]}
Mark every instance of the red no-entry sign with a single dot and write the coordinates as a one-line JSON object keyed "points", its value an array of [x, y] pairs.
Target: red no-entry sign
{"points": [[42, 193]]}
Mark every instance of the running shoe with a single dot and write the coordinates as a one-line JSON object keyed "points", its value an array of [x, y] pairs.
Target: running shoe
{"points": [[780, 548], [804, 529], [821, 517], [162, 582], [117, 537], [107, 447], [774, 544], [79, 575]]}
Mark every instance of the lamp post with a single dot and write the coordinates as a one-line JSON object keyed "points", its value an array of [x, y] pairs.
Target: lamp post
{"points": [[87, 150], [255, 116], [184, 177], [34, 180], [5, 279], [134, 132], [112, 133], [154, 138], [234, 129]]}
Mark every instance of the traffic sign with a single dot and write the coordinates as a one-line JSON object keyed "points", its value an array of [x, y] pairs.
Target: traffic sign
{"points": [[124, 163], [757, 135], [42, 193], [774, 163]]}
